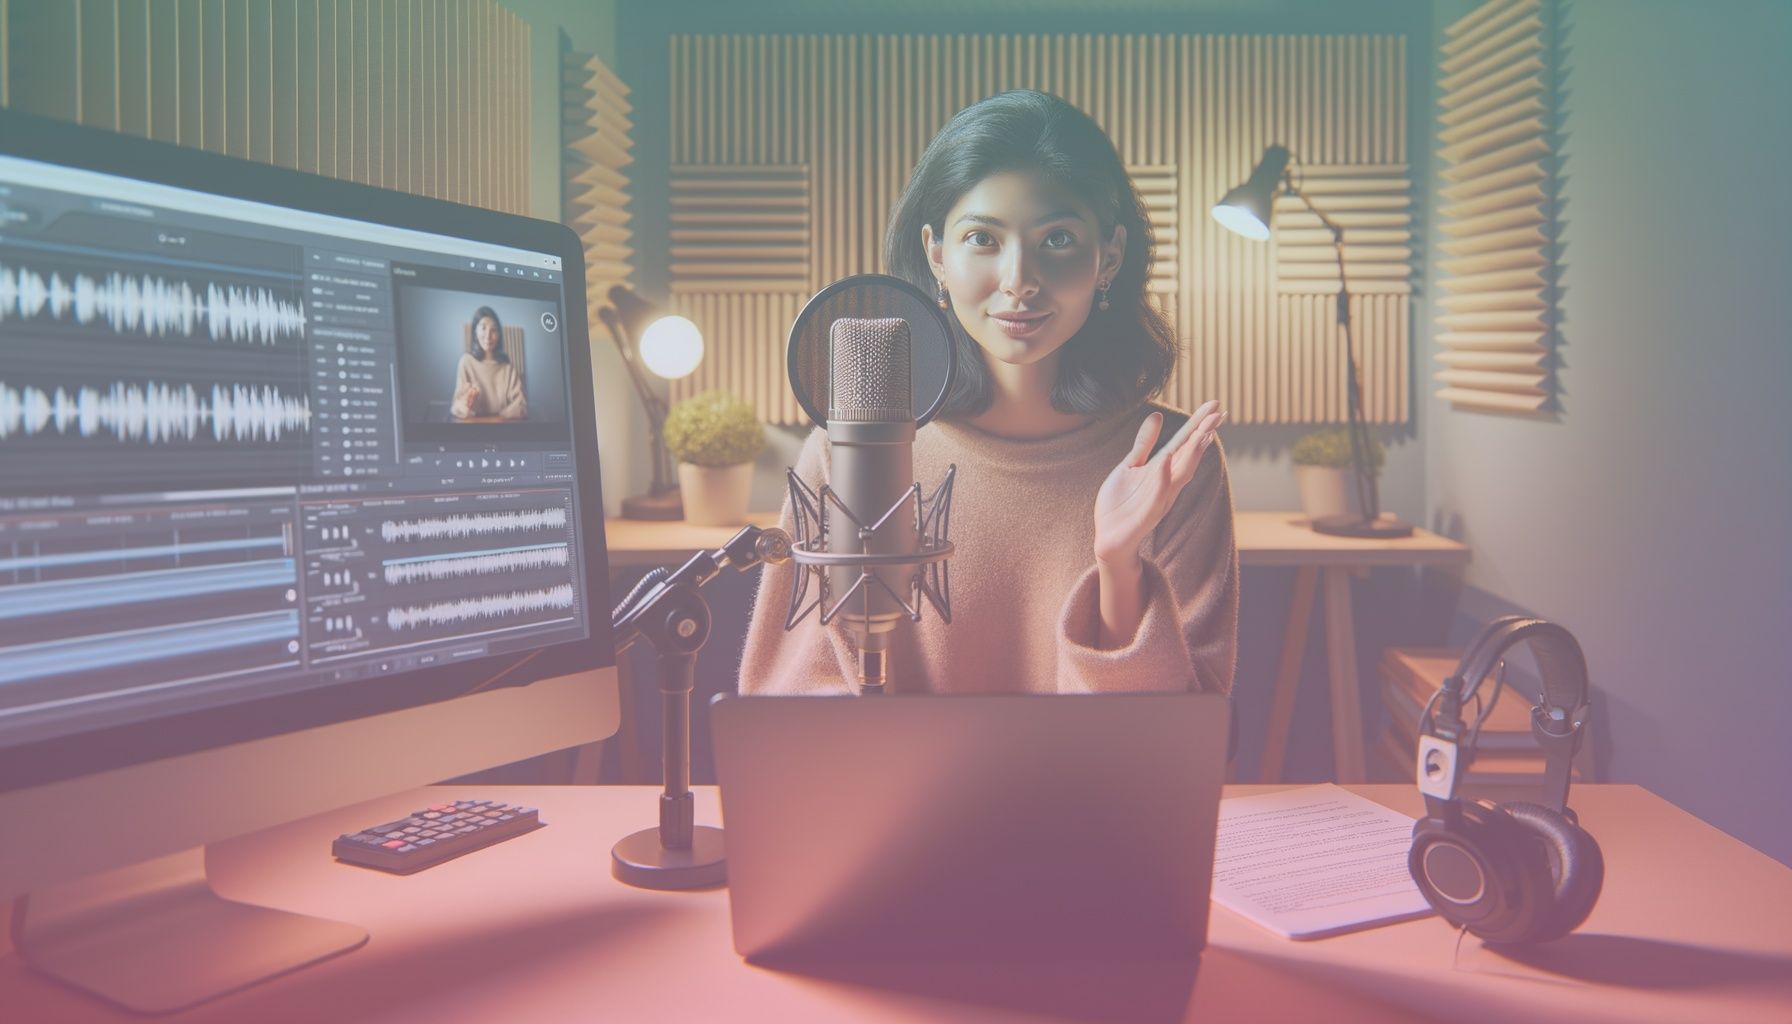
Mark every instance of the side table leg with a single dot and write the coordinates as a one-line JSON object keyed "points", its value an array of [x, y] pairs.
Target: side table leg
{"points": [[1347, 706], [1294, 648]]}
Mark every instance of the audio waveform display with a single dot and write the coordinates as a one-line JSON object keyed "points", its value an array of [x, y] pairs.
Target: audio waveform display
{"points": [[431, 570], [444, 613], [152, 306], [473, 524], [157, 413]]}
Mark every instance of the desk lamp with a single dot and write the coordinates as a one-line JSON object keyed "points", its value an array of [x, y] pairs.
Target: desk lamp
{"points": [[670, 347], [1247, 210]]}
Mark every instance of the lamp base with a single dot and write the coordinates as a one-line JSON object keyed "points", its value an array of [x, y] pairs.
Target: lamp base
{"points": [[1385, 527], [668, 504], [639, 860]]}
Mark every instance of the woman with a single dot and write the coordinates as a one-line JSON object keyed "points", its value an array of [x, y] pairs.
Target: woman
{"points": [[486, 382], [1084, 563]]}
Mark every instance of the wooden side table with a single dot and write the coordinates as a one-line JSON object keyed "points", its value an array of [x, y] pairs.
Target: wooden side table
{"points": [[1285, 539]]}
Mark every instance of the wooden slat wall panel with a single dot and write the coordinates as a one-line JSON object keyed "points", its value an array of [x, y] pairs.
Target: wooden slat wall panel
{"points": [[372, 90], [742, 228], [1496, 328], [1189, 116], [596, 132], [1158, 188]]}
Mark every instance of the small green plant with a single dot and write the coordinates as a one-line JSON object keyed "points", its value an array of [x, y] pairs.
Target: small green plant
{"points": [[1331, 447], [714, 429]]}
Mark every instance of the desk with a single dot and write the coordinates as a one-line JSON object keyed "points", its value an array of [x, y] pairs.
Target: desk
{"points": [[1263, 539], [1692, 926]]}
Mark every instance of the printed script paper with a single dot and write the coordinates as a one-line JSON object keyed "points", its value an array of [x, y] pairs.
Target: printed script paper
{"points": [[1317, 861]]}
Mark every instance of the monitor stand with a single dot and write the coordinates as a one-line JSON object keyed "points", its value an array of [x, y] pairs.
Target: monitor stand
{"points": [[155, 938]]}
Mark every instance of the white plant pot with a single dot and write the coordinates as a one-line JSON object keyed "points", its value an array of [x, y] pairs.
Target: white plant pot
{"points": [[715, 496], [1326, 491]]}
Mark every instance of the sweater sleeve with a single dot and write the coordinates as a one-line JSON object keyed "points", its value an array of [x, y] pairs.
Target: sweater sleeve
{"points": [[464, 380], [515, 405], [810, 659], [1188, 637]]}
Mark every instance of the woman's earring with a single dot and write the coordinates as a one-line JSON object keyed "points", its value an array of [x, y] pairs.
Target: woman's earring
{"points": [[941, 298], [1103, 297]]}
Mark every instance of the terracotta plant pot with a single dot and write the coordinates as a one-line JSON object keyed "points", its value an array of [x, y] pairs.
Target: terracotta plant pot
{"points": [[715, 496], [1326, 491]]}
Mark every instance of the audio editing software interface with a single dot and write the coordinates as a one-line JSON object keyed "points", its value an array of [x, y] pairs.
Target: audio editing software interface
{"points": [[248, 450]]}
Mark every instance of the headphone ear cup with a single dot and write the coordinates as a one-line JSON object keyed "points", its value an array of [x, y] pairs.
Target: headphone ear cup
{"points": [[1470, 872], [1575, 863]]}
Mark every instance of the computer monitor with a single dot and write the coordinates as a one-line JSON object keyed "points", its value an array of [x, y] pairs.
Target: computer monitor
{"points": [[299, 506]]}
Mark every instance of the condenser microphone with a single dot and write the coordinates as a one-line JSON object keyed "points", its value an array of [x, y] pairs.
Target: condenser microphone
{"points": [[871, 431], [871, 361]]}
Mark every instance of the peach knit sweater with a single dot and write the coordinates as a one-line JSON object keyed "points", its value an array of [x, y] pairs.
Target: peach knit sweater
{"points": [[1025, 609]]}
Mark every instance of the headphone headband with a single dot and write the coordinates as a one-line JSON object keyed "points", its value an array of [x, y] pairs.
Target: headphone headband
{"points": [[1556, 718], [1558, 655]]}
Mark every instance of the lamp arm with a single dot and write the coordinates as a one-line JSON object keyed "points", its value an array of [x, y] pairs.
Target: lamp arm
{"points": [[1330, 225], [1368, 492], [656, 409], [655, 406]]}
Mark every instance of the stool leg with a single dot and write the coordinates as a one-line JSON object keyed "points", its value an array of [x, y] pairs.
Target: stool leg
{"points": [[1294, 648], [1347, 701]]}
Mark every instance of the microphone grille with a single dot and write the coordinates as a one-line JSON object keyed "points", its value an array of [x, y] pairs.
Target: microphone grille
{"points": [[870, 371]]}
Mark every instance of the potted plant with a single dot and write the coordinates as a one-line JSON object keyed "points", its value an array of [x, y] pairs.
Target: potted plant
{"points": [[715, 437], [1322, 471]]}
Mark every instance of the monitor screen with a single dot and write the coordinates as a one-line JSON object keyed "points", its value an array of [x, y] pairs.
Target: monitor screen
{"points": [[264, 464]]}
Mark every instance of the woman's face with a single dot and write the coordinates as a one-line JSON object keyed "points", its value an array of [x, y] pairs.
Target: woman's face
{"points": [[486, 333], [1021, 261]]}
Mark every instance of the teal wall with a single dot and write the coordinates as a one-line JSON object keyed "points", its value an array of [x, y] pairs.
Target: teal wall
{"points": [[1650, 513]]}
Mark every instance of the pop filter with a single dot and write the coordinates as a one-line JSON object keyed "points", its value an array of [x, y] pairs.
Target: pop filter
{"points": [[872, 297]]}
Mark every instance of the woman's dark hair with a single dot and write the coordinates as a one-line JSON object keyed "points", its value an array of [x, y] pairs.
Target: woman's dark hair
{"points": [[473, 348], [1121, 356]]}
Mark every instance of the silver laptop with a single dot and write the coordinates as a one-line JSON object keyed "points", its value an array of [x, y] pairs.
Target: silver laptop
{"points": [[987, 827]]}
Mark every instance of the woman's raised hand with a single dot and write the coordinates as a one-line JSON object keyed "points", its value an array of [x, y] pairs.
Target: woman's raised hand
{"points": [[1135, 496]]}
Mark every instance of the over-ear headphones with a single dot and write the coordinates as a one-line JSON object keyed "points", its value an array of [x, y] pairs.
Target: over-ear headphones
{"points": [[1512, 872]]}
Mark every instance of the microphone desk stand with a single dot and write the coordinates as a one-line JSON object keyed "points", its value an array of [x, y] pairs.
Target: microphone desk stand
{"points": [[668, 609]]}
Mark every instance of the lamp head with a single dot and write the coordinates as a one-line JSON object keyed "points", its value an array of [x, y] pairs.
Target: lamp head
{"points": [[670, 346], [1249, 208]]}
